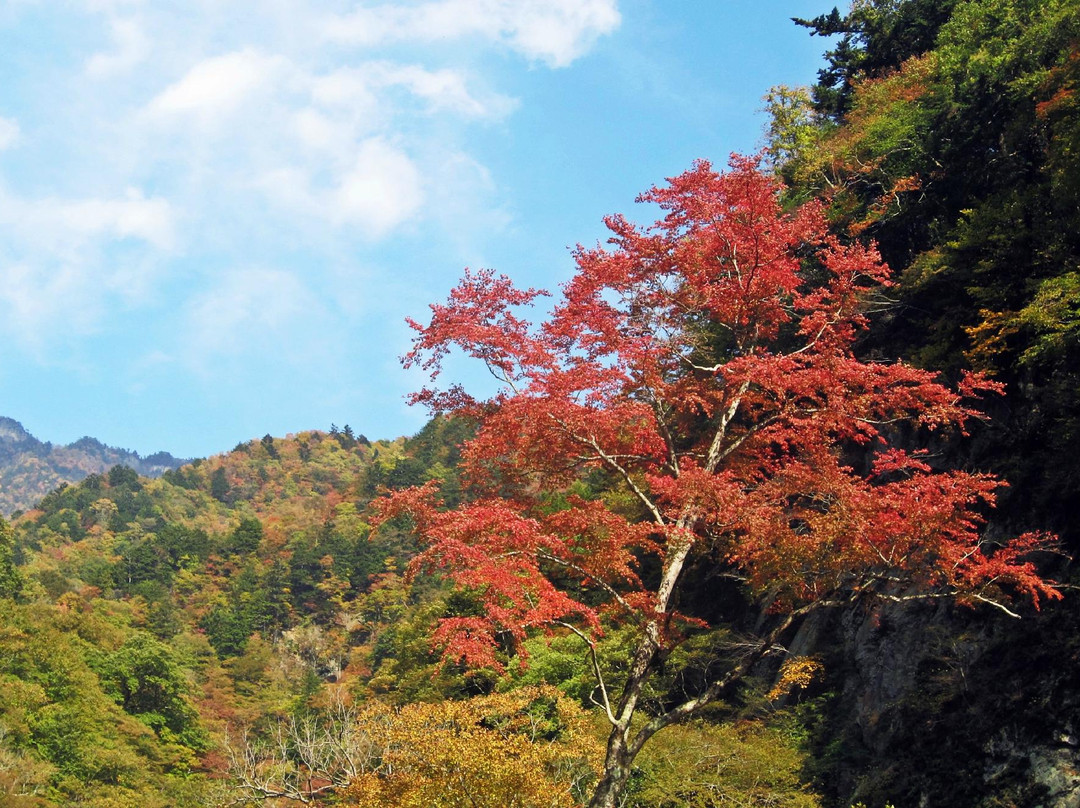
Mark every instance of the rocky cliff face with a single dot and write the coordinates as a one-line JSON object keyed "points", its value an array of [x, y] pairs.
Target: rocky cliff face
{"points": [[945, 707], [30, 468]]}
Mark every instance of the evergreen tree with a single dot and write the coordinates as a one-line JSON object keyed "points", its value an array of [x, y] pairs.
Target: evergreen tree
{"points": [[10, 580], [219, 486]]}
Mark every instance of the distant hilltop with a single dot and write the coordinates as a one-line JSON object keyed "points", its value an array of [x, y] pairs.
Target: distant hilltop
{"points": [[30, 468]]}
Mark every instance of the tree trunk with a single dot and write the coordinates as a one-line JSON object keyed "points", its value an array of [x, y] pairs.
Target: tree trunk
{"points": [[616, 773], [620, 750]]}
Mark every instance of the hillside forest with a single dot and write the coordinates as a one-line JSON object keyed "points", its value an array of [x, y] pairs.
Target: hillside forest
{"points": [[771, 505]]}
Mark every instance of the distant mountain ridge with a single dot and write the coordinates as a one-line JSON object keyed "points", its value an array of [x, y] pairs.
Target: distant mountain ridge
{"points": [[31, 468]]}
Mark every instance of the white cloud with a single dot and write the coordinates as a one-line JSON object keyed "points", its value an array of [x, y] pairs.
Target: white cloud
{"points": [[346, 105], [132, 48], [346, 173], [443, 90], [58, 274], [360, 89], [132, 217], [560, 31], [63, 224], [347, 86], [262, 139], [552, 31], [321, 132], [37, 302], [9, 133], [217, 85], [381, 191]]}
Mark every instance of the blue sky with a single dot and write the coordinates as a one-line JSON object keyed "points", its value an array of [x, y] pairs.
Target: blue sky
{"points": [[216, 214]]}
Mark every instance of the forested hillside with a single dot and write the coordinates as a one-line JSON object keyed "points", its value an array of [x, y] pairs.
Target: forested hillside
{"points": [[732, 531], [233, 632], [949, 133], [151, 615], [29, 468]]}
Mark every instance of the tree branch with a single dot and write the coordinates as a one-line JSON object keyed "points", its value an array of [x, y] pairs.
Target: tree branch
{"points": [[612, 463], [606, 703], [585, 574]]}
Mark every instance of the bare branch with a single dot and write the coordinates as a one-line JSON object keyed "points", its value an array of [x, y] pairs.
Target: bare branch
{"points": [[716, 689], [302, 758], [606, 702], [996, 605]]}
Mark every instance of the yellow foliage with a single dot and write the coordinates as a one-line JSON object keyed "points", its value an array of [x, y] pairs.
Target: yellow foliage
{"points": [[528, 749], [796, 672], [990, 338]]}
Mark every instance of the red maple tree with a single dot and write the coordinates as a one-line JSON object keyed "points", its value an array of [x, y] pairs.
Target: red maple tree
{"points": [[705, 365]]}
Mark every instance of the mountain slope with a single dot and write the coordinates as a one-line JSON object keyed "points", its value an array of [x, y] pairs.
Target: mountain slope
{"points": [[30, 468], [152, 617]]}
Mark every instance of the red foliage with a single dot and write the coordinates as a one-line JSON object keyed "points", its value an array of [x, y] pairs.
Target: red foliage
{"points": [[706, 365]]}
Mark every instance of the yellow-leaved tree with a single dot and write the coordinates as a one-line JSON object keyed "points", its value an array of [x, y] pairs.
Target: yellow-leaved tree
{"points": [[532, 748]]}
